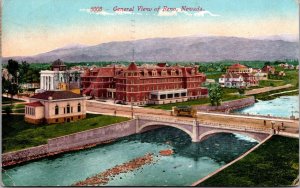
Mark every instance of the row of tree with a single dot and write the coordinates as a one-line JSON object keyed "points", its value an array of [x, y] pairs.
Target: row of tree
{"points": [[18, 74]]}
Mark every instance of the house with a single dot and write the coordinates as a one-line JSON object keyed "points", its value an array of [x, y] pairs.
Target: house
{"points": [[291, 67], [55, 107], [261, 76], [268, 69], [33, 85], [232, 80], [239, 76], [139, 85], [281, 73], [57, 76], [238, 68]]}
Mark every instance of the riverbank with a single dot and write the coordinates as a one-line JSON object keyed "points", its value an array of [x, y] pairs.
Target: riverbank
{"points": [[70, 142], [18, 134], [274, 163], [277, 93]]}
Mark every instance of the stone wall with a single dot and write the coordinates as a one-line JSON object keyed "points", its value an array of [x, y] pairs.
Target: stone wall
{"points": [[92, 136], [231, 105], [71, 142], [27, 154]]}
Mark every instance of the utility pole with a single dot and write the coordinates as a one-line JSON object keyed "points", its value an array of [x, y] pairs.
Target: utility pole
{"points": [[131, 111]]}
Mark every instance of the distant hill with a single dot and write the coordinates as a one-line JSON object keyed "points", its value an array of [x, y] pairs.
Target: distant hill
{"points": [[180, 49]]}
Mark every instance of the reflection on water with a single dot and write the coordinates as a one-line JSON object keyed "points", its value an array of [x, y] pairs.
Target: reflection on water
{"points": [[281, 107], [190, 162]]}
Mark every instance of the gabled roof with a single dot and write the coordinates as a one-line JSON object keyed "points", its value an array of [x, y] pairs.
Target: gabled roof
{"points": [[161, 64], [132, 67], [34, 104], [231, 75], [56, 95], [237, 66]]}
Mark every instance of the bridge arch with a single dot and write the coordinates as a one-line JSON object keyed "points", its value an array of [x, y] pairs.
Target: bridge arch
{"points": [[215, 131], [140, 128]]}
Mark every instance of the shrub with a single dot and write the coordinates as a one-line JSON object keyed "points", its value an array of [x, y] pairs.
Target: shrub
{"points": [[8, 110]]}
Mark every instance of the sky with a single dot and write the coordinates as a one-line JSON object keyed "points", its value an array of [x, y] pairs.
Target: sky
{"points": [[35, 26]]}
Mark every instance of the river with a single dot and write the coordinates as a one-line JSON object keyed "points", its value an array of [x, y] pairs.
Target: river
{"points": [[280, 107], [190, 162]]}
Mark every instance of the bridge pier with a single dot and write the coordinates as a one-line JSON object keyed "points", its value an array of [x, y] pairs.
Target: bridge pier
{"points": [[195, 132]]}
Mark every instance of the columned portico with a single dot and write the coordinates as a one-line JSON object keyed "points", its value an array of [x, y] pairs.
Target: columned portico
{"points": [[168, 96]]}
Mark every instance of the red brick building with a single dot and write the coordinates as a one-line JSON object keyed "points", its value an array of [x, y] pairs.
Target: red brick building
{"points": [[146, 84]]}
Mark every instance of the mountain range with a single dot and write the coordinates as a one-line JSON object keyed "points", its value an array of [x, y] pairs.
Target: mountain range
{"points": [[179, 49]]}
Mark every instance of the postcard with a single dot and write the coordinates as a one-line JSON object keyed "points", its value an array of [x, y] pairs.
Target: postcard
{"points": [[150, 93]]}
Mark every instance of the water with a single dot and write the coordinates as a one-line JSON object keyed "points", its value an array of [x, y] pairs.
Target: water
{"points": [[281, 107], [190, 162]]}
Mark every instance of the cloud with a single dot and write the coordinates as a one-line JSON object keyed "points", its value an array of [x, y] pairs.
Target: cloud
{"points": [[168, 13], [161, 12], [102, 13], [120, 12], [115, 13], [178, 11], [202, 13]]}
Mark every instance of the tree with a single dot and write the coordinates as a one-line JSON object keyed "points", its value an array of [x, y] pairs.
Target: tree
{"points": [[215, 94], [13, 89], [241, 91], [24, 70], [5, 85], [8, 110], [13, 68]]}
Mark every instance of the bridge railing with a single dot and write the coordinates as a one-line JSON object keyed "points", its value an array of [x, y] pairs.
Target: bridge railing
{"points": [[235, 127], [206, 124], [161, 119]]}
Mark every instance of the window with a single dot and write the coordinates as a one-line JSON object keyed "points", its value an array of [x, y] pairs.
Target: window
{"points": [[193, 72], [154, 73], [79, 107], [78, 117], [56, 120], [56, 110], [68, 109], [71, 109], [173, 72]]}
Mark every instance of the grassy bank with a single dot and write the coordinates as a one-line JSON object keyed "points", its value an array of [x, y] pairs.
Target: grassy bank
{"points": [[266, 96], [18, 134], [227, 97], [274, 163], [6, 100]]}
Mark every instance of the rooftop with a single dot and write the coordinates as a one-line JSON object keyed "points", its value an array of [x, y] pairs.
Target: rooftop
{"points": [[35, 104], [56, 95], [237, 66], [58, 62]]}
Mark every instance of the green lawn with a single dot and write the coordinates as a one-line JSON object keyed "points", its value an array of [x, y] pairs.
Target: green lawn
{"points": [[214, 76], [266, 96], [6, 100], [17, 134], [273, 164], [273, 83], [17, 108], [192, 102]]}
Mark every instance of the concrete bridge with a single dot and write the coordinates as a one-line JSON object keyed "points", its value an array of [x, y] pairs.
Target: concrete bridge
{"points": [[198, 131]]}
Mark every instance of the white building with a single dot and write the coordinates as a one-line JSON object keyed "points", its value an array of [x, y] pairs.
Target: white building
{"points": [[51, 79], [232, 80]]}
